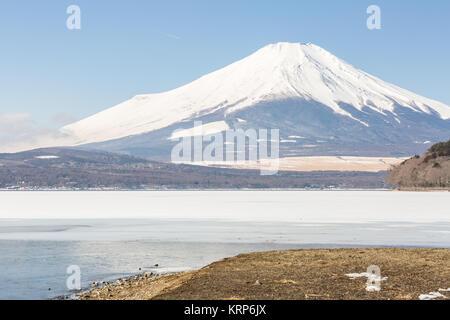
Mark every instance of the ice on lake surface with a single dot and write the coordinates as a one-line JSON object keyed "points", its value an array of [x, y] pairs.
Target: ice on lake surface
{"points": [[113, 234]]}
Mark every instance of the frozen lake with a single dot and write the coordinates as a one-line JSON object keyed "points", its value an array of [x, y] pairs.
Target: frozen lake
{"points": [[300, 206], [113, 234]]}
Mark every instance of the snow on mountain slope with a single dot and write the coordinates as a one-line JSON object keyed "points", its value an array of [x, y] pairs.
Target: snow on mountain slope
{"points": [[201, 130], [276, 72]]}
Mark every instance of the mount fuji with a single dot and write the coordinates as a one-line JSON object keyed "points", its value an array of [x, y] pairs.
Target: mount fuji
{"points": [[321, 104]]}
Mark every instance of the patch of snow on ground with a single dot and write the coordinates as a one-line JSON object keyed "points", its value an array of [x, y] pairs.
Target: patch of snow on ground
{"points": [[431, 296], [203, 130], [47, 157], [369, 287], [353, 276]]}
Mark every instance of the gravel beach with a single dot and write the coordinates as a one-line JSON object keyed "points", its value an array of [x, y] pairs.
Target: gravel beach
{"points": [[405, 274]]}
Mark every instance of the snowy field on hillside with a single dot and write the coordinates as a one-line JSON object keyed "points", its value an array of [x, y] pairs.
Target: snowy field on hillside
{"points": [[310, 164]]}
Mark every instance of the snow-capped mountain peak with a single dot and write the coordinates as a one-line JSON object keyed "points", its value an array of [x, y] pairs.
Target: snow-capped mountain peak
{"points": [[276, 72]]}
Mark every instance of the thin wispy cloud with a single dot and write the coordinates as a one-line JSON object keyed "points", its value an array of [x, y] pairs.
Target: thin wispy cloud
{"points": [[19, 132], [170, 35], [63, 118]]}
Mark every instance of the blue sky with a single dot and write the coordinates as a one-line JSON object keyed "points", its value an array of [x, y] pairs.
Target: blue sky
{"points": [[132, 47]]}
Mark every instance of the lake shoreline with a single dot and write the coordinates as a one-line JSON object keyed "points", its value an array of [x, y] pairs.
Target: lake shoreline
{"points": [[417, 189], [112, 234], [406, 274]]}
